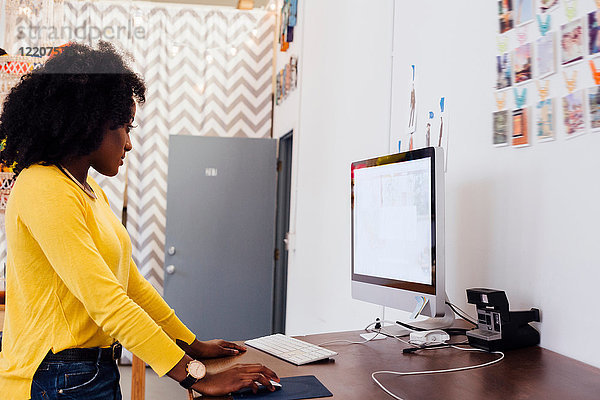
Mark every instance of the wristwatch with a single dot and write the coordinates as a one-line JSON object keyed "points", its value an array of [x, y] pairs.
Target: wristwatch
{"points": [[195, 371]]}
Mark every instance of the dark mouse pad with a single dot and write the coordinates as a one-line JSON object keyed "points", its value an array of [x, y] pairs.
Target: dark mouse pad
{"points": [[292, 388]]}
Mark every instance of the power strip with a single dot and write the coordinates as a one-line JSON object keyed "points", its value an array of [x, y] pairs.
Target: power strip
{"points": [[429, 337]]}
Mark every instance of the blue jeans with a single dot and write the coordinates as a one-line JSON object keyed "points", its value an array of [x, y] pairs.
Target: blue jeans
{"points": [[89, 380]]}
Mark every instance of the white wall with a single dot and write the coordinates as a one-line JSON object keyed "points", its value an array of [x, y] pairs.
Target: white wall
{"points": [[521, 220], [344, 109], [2, 22]]}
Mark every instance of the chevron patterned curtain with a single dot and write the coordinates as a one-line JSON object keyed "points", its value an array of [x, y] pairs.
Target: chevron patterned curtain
{"points": [[18, 16], [208, 71]]}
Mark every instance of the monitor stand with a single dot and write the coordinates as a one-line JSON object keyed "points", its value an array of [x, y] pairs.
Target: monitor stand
{"points": [[437, 322]]}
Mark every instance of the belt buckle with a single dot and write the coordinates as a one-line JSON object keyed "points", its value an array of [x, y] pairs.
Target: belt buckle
{"points": [[117, 349]]}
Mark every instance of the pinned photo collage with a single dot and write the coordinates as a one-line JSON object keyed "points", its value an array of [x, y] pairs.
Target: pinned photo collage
{"points": [[548, 5], [502, 127], [502, 121], [522, 63], [520, 127], [573, 113], [571, 42], [545, 120], [593, 97], [560, 42], [544, 50]]}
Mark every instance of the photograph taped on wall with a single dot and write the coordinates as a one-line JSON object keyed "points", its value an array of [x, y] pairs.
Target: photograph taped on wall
{"points": [[548, 5], [522, 63], [288, 15], [524, 12], [571, 42], [593, 96], [520, 127], [286, 80], [594, 32], [545, 121], [501, 128], [505, 15], [412, 105], [443, 129], [503, 70], [573, 114], [428, 134], [545, 55], [595, 72]]}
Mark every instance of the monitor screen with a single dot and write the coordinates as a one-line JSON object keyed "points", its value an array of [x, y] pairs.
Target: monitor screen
{"points": [[397, 229]]}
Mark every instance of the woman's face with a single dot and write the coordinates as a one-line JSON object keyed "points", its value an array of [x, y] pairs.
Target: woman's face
{"points": [[110, 155]]}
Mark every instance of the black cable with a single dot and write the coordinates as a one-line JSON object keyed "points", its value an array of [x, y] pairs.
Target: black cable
{"points": [[377, 323], [424, 347], [411, 327], [449, 331], [456, 331]]}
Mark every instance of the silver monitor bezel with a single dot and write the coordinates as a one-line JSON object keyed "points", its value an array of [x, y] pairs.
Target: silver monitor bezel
{"points": [[401, 294]]}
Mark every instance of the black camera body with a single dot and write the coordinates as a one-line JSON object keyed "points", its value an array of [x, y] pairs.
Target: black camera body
{"points": [[498, 328]]}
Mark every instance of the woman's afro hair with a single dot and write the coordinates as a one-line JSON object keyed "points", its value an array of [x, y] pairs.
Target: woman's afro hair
{"points": [[63, 109]]}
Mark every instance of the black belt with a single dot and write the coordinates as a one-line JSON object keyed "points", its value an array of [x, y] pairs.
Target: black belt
{"points": [[90, 354]]}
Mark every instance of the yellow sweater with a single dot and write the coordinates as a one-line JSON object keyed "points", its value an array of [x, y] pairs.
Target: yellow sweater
{"points": [[71, 282]]}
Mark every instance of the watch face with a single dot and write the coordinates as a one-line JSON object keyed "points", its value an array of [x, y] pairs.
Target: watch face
{"points": [[196, 369]]}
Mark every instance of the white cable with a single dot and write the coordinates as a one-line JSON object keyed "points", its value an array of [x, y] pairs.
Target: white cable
{"points": [[367, 328], [351, 342], [471, 349], [397, 338], [382, 322], [438, 371]]}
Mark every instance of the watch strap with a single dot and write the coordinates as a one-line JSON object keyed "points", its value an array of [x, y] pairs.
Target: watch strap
{"points": [[188, 382]]}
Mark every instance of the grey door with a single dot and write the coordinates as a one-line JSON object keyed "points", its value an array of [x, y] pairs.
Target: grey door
{"points": [[282, 225], [219, 259]]}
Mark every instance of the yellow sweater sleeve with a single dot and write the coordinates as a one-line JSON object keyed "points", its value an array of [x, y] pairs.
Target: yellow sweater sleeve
{"points": [[144, 294], [59, 226]]}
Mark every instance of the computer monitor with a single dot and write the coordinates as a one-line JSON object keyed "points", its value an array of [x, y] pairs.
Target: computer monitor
{"points": [[398, 233]]}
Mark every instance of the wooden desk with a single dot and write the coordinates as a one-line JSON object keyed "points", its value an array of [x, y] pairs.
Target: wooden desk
{"points": [[530, 373]]}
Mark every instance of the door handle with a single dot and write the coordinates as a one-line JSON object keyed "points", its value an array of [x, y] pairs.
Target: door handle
{"points": [[170, 269]]}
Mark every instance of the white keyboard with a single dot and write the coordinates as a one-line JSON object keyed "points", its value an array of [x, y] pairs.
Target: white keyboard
{"points": [[289, 349]]}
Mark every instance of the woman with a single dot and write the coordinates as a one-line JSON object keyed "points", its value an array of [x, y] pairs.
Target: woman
{"points": [[73, 290]]}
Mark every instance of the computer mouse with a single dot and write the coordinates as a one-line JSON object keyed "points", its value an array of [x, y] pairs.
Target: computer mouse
{"points": [[261, 388]]}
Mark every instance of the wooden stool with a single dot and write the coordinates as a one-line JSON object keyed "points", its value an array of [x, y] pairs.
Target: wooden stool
{"points": [[138, 379]]}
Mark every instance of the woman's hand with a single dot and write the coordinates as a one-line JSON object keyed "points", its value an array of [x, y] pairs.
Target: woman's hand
{"points": [[235, 378], [211, 349]]}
